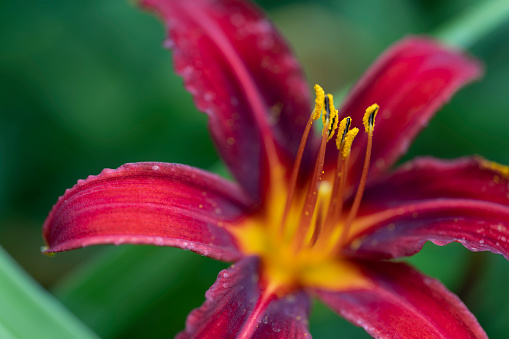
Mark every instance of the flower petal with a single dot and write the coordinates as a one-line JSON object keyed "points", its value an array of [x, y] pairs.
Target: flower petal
{"points": [[237, 307], [409, 82], [403, 303], [464, 200], [243, 75], [148, 203]]}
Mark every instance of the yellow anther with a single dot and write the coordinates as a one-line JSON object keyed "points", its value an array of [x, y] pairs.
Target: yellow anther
{"points": [[369, 117], [333, 127], [330, 118], [350, 135], [319, 102], [344, 127], [503, 170]]}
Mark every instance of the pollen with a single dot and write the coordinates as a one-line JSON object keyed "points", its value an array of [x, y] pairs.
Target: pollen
{"points": [[319, 102], [330, 119], [369, 117], [344, 127], [350, 135], [496, 167]]}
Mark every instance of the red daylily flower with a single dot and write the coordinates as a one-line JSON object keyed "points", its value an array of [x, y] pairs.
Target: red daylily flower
{"points": [[304, 218]]}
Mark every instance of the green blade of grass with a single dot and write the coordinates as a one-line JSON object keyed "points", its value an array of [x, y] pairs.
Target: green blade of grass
{"points": [[474, 24], [28, 311]]}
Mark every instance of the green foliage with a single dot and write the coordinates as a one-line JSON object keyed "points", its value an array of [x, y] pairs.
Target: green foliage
{"points": [[28, 311]]}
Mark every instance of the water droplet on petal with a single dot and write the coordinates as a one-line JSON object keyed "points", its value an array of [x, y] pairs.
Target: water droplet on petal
{"points": [[209, 96], [276, 328], [237, 19]]}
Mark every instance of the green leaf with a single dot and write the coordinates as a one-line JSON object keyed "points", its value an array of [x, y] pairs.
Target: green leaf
{"points": [[473, 25], [114, 289], [28, 311]]}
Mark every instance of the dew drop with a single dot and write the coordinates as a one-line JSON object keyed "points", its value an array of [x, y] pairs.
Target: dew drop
{"points": [[187, 71], [428, 281], [276, 328], [380, 163], [209, 96], [169, 44], [237, 19]]}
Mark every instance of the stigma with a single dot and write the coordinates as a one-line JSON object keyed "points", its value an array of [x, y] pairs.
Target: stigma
{"points": [[323, 222]]}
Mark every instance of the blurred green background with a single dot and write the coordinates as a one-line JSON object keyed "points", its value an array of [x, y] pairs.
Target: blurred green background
{"points": [[86, 85]]}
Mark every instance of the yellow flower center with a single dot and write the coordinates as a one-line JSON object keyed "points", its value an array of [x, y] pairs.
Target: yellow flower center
{"points": [[300, 231]]}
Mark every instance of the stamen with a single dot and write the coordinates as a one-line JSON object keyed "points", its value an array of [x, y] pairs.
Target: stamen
{"points": [[317, 230], [311, 196], [315, 115], [369, 125], [337, 199], [369, 117], [347, 147], [319, 102], [344, 127], [312, 193], [324, 194], [330, 118]]}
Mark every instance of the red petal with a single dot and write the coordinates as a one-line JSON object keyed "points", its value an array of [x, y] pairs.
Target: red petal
{"points": [[403, 303], [237, 307], [438, 200], [409, 82], [243, 75], [148, 203]]}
